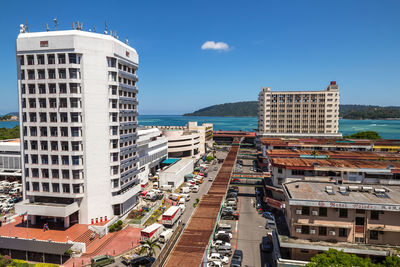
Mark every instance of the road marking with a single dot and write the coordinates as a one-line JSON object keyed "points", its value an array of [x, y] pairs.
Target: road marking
{"points": [[236, 226]]}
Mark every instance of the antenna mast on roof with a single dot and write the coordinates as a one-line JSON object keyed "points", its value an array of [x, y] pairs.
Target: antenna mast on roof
{"points": [[26, 26], [105, 27], [73, 25], [55, 23], [94, 28], [126, 40], [47, 27]]}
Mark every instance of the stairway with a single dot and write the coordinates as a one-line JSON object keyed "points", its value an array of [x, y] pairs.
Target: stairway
{"points": [[108, 238], [85, 238]]}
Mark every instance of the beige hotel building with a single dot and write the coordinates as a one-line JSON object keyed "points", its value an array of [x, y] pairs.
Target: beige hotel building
{"points": [[299, 113]]}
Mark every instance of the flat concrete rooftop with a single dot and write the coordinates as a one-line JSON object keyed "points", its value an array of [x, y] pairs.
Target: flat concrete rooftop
{"points": [[315, 194]]}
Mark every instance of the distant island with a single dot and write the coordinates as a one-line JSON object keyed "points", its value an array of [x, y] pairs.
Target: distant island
{"points": [[13, 116], [250, 109]]}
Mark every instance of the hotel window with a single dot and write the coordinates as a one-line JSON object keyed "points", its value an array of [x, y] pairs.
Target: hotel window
{"points": [[342, 232], [322, 231], [64, 131], [65, 174], [343, 213], [35, 174], [323, 212], [45, 187], [41, 74], [75, 174], [373, 235], [61, 58], [42, 89], [75, 160], [42, 102], [51, 73], [56, 188], [66, 188], [63, 88], [35, 186], [74, 74], [54, 160], [374, 215], [74, 88], [305, 210], [73, 58], [51, 59], [63, 117], [65, 161], [52, 88], [305, 229], [31, 60], [62, 74]]}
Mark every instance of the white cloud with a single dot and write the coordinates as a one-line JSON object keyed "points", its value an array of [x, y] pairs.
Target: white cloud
{"points": [[211, 45]]}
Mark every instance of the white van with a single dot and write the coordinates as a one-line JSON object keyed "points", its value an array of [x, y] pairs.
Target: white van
{"points": [[195, 189], [155, 185], [182, 200], [165, 236], [15, 190], [182, 207], [185, 189], [186, 196], [166, 187]]}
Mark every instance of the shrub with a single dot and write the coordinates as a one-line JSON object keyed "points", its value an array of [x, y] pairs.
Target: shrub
{"points": [[119, 222], [112, 228]]}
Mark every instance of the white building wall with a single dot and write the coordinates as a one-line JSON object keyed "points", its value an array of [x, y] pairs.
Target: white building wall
{"points": [[99, 188]]}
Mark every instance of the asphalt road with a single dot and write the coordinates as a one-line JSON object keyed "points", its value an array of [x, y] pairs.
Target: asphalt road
{"points": [[251, 228]]}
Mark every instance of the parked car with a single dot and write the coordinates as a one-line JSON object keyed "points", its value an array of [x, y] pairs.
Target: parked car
{"points": [[230, 216], [268, 215], [142, 261], [223, 250], [270, 224], [218, 243], [218, 257], [223, 233], [214, 264], [237, 258], [266, 244], [102, 260]]}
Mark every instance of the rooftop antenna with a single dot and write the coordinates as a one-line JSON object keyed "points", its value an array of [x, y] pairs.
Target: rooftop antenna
{"points": [[47, 27], [55, 23], [111, 32], [126, 40], [105, 27], [26, 26], [77, 25], [94, 28], [81, 26], [21, 28], [73, 25]]}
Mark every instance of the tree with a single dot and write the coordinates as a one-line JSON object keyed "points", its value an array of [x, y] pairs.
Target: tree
{"points": [[392, 261], [209, 158], [371, 135], [196, 202], [149, 248], [334, 257]]}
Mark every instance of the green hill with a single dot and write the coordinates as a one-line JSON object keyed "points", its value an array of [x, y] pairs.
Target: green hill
{"points": [[238, 109], [250, 108]]}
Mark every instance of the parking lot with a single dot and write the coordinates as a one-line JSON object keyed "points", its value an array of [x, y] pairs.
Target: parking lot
{"points": [[10, 193]]}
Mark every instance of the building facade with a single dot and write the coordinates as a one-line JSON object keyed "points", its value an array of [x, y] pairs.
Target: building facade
{"points": [[299, 113], [10, 160], [363, 220], [152, 150], [190, 141], [78, 118]]}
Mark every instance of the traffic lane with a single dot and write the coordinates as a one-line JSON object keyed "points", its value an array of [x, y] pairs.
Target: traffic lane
{"points": [[251, 228], [203, 189]]}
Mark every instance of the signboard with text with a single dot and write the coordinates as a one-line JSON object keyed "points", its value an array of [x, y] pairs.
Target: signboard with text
{"points": [[342, 205]]}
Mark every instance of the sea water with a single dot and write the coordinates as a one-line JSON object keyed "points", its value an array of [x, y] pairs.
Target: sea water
{"points": [[388, 129]]}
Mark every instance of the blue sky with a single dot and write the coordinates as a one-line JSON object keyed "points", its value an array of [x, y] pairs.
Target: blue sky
{"points": [[282, 44]]}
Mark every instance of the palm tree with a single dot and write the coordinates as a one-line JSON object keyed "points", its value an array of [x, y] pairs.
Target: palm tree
{"points": [[149, 247], [314, 153]]}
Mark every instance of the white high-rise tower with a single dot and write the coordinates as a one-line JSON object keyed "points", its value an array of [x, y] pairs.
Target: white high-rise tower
{"points": [[78, 120]]}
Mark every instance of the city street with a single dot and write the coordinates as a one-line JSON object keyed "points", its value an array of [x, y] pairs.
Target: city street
{"points": [[251, 228]]}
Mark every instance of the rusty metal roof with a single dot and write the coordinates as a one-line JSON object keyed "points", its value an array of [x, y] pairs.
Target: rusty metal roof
{"points": [[191, 246]]}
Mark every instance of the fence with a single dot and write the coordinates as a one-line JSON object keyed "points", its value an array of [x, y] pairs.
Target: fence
{"points": [[148, 214], [168, 247]]}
